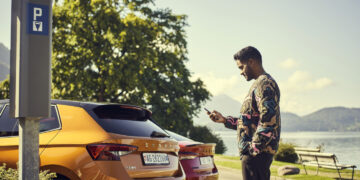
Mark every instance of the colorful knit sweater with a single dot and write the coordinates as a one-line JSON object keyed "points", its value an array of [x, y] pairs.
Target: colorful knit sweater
{"points": [[258, 126]]}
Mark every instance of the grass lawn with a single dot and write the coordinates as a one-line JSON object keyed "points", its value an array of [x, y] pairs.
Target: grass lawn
{"points": [[234, 162]]}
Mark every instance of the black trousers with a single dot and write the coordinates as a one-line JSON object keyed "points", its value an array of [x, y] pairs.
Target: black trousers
{"points": [[256, 168]]}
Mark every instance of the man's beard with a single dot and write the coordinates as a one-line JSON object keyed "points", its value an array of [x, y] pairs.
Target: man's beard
{"points": [[249, 75]]}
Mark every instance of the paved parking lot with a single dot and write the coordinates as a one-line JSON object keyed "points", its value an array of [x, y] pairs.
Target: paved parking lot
{"points": [[228, 173], [232, 174]]}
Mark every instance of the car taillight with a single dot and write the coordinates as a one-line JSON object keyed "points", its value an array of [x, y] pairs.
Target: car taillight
{"points": [[109, 151], [187, 155]]}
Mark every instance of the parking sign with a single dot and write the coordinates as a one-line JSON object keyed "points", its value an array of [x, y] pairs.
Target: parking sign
{"points": [[38, 19]]}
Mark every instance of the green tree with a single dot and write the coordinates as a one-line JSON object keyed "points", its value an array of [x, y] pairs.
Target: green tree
{"points": [[5, 89], [125, 51], [205, 135]]}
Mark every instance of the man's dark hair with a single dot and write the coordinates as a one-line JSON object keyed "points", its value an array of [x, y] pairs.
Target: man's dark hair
{"points": [[246, 53]]}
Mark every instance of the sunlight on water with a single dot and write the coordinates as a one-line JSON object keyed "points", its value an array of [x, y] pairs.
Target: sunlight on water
{"points": [[345, 145]]}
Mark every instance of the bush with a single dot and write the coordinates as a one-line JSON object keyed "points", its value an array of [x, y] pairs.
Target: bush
{"points": [[12, 174], [204, 134], [286, 153], [5, 89]]}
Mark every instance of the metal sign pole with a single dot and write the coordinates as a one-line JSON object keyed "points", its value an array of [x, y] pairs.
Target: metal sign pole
{"points": [[29, 148], [30, 53]]}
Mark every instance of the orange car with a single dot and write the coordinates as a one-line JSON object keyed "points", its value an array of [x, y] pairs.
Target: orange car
{"points": [[196, 158], [96, 141]]}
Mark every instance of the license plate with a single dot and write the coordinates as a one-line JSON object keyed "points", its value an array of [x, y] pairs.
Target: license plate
{"points": [[205, 160], [156, 159]]}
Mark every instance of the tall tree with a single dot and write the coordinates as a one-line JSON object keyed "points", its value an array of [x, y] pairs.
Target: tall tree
{"points": [[125, 51], [204, 134]]}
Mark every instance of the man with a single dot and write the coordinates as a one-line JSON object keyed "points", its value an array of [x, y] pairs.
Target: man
{"points": [[258, 126]]}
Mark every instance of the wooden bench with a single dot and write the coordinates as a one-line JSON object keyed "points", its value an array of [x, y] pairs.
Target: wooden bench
{"points": [[323, 160]]}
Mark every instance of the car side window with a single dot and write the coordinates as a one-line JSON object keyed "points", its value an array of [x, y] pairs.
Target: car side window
{"points": [[47, 124], [10, 126]]}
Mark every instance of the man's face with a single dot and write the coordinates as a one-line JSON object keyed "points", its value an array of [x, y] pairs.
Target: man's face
{"points": [[245, 69]]}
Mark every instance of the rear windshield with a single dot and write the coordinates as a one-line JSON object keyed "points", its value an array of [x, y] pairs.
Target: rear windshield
{"points": [[178, 137], [126, 120]]}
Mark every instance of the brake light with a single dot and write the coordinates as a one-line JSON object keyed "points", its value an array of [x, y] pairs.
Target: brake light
{"points": [[187, 155], [110, 152]]}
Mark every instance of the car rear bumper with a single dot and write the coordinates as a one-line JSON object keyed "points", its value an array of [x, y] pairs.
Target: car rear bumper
{"points": [[180, 175], [194, 171], [212, 176], [115, 170]]}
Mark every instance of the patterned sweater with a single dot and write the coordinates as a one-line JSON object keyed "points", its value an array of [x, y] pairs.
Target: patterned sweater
{"points": [[258, 126]]}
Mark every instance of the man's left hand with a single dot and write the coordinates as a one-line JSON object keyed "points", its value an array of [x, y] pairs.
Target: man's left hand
{"points": [[253, 150]]}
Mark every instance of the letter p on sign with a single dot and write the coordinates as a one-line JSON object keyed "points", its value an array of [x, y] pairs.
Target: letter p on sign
{"points": [[37, 12]]}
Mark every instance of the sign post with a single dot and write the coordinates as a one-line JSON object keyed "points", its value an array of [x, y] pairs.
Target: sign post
{"points": [[30, 55]]}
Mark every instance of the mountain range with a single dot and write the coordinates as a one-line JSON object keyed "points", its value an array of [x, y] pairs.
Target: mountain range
{"points": [[326, 119], [4, 61]]}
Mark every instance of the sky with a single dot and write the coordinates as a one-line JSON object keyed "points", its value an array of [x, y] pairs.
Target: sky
{"points": [[309, 47]]}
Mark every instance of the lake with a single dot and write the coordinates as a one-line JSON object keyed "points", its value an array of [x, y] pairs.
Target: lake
{"points": [[345, 145]]}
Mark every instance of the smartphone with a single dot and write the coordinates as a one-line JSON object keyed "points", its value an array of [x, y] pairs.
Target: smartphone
{"points": [[207, 111]]}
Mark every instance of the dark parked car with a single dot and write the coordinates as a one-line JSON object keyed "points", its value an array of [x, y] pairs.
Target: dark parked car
{"points": [[196, 158]]}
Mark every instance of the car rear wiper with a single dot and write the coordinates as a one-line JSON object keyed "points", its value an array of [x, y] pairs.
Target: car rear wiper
{"points": [[158, 134]]}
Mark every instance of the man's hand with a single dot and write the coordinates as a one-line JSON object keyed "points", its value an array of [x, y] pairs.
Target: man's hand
{"points": [[217, 117]]}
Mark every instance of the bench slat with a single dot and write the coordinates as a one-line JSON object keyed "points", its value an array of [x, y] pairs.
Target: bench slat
{"points": [[329, 166], [326, 160], [307, 149], [316, 154]]}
